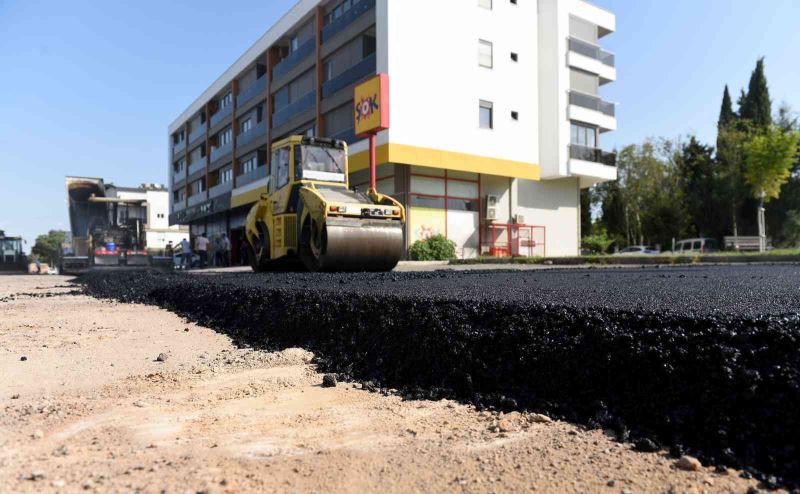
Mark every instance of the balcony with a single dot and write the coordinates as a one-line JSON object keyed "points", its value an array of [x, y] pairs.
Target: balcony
{"points": [[284, 114], [179, 177], [252, 176], [178, 206], [592, 155], [294, 58], [592, 110], [197, 198], [197, 167], [221, 152], [179, 147], [591, 51], [259, 130], [221, 115], [348, 18], [198, 133], [357, 72], [220, 189], [253, 90]]}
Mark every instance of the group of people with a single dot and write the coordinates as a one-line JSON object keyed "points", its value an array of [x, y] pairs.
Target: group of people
{"points": [[216, 252]]}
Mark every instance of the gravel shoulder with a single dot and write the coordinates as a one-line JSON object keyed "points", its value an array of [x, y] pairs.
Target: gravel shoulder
{"points": [[91, 408]]}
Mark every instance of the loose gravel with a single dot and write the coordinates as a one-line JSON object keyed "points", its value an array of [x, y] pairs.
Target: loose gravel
{"points": [[703, 361]]}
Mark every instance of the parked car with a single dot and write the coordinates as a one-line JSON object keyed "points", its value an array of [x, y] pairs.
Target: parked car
{"points": [[696, 246], [638, 250], [177, 260]]}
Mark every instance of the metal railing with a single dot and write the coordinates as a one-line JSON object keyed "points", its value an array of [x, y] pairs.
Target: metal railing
{"points": [[284, 114], [196, 167], [221, 115], [252, 176], [254, 89], [224, 150], [350, 76], [294, 58], [197, 133], [591, 51], [258, 130], [219, 189], [345, 20], [592, 103], [594, 155]]}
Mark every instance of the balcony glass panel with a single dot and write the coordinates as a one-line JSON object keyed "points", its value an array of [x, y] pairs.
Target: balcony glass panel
{"points": [[259, 130], [198, 133], [294, 58], [591, 51], [252, 91], [197, 199], [196, 167], [284, 114], [592, 103], [219, 189], [217, 153], [345, 20], [592, 154], [250, 177], [177, 148], [350, 76], [221, 115]]}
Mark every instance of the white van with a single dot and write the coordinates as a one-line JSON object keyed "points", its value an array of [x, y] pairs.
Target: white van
{"points": [[695, 246]]}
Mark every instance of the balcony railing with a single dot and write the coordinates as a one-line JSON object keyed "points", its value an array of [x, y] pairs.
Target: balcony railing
{"points": [[591, 51], [178, 206], [196, 167], [219, 189], [592, 154], [179, 147], [350, 76], [258, 130], [251, 176], [253, 90], [197, 198], [345, 20], [284, 114], [198, 132], [294, 58], [179, 177], [221, 115], [224, 150], [592, 103]]}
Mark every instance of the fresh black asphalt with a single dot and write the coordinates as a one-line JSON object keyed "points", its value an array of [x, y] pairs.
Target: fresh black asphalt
{"points": [[704, 360]]}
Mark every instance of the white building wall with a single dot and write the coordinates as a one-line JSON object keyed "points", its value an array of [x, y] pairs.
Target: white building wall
{"points": [[436, 83], [554, 204]]}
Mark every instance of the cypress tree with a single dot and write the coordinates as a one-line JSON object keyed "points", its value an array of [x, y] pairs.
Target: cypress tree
{"points": [[726, 115], [757, 106]]}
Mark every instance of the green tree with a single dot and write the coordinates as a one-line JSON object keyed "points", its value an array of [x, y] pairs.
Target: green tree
{"points": [[777, 217], [587, 198], [769, 156], [726, 114], [756, 106], [791, 236], [696, 179], [48, 247], [731, 192]]}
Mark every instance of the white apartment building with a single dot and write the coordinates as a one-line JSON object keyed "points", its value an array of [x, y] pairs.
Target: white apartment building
{"points": [[496, 118]]}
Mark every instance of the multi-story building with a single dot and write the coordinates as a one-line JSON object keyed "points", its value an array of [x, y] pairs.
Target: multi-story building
{"points": [[496, 116]]}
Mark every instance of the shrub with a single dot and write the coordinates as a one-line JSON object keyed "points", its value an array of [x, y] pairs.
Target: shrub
{"points": [[791, 229], [598, 242], [435, 248]]}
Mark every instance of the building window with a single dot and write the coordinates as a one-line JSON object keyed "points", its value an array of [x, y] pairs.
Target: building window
{"points": [[514, 115], [486, 115], [294, 44], [485, 53], [583, 135], [486, 4], [224, 137], [160, 215], [225, 175], [225, 100], [248, 165], [247, 125], [340, 10], [514, 57]]}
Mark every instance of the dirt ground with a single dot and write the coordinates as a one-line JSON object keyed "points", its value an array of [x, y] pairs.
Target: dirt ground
{"points": [[87, 406]]}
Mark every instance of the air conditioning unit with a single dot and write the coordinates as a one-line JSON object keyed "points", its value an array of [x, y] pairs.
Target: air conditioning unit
{"points": [[519, 219], [491, 207]]}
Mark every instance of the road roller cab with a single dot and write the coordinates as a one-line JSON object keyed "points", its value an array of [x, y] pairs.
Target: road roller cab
{"points": [[309, 213]]}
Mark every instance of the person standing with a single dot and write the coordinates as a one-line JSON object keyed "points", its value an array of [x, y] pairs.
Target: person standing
{"points": [[218, 248], [201, 244], [169, 250], [226, 248], [186, 254]]}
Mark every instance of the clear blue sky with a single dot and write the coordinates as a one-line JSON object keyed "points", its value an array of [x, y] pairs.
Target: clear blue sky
{"points": [[89, 88]]}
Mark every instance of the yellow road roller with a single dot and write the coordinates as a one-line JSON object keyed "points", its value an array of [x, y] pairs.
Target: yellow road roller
{"points": [[310, 214]]}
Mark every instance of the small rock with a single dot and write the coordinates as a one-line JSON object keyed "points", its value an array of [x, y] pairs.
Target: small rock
{"points": [[140, 404], [506, 425], [61, 451], [610, 483], [688, 463], [37, 434], [23, 358], [538, 418], [34, 476], [162, 357], [15, 397], [358, 385], [627, 491], [186, 330], [329, 381], [58, 483], [645, 445]]}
